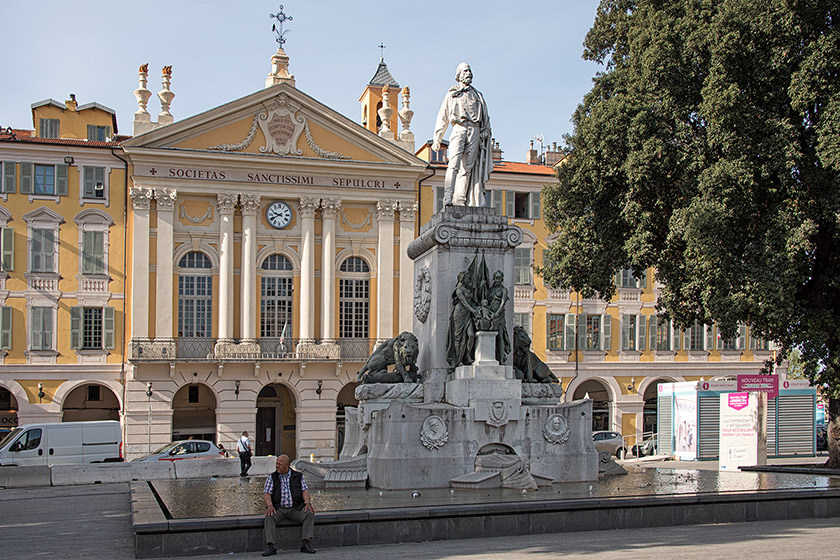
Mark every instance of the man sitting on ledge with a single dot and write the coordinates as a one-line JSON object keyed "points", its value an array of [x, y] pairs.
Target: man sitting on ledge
{"points": [[286, 496]]}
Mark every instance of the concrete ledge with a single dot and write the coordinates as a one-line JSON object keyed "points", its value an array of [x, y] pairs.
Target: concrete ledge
{"points": [[65, 475], [23, 477], [155, 538]]}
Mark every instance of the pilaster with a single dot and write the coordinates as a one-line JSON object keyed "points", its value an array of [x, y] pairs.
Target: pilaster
{"points": [[141, 199], [329, 210], [250, 205], [408, 213], [165, 226], [385, 268], [226, 203], [308, 206]]}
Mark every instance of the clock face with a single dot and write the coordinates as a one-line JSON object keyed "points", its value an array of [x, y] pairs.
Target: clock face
{"points": [[278, 214]]}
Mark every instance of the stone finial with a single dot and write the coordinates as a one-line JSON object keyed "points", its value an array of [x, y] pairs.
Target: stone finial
{"points": [[279, 70], [165, 95], [406, 115], [385, 114], [142, 93]]}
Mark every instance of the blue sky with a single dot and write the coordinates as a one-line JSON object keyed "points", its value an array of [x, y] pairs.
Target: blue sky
{"points": [[525, 56]]}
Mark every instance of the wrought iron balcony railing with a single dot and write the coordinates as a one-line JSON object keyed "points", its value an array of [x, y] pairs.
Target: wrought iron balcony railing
{"points": [[261, 349]]}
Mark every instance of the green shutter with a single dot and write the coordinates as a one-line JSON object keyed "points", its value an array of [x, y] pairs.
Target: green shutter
{"points": [[742, 337], [75, 327], [99, 177], [570, 331], [35, 335], [26, 177], [640, 327], [497, 203], [5, 327], [606, 328], [439, 198], [61, 179], [623, 327], [91, 132], [99, 252], [107, 133], [109, 327], [653, 324], [89, 181], [535, 205], [617, 279], [643, 280], [7, 246], [710, 339], [510, 204], [9, 177]]}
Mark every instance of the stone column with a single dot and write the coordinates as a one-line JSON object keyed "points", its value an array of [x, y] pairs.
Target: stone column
{"points": [[307, 267], [226, 203], [165, 226], [329, 210], [141, 199], [250, 205], [408, 213], [385, 269]]}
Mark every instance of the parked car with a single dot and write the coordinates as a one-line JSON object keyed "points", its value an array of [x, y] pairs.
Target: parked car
{"points": [[62, 443], [186, 449], [645, 448], [611, 442]]}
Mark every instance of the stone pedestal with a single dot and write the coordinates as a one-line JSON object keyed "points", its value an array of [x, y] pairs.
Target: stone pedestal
{"points": [[446, 246]]}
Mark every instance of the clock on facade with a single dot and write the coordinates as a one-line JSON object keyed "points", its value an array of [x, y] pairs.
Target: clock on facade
{"points": [[278, 214]]}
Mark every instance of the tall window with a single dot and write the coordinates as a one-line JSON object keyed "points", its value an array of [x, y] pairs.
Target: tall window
{"points": [[628, 332], [91, 328], [523, 320], [592, 336], [41, 328], [94, 182], [98, 133], [353, 298], [42, 250], [555, 331], [276, 297], [695, 336], [195, 296], [624, 279], [49, 128], [93, 252], [522, 205], [661, 333], [522, 267], [44, 179]]}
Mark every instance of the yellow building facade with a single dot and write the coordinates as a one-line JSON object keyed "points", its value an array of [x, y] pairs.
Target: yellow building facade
{"points": [[62, 203]]}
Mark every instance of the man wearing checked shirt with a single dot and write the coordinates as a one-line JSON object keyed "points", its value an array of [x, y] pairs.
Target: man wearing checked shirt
{"points": [[286, 496]]}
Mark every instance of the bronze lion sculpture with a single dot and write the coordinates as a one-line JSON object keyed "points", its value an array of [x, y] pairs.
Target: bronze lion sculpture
{"points": [[401, 352], [526, 365]]}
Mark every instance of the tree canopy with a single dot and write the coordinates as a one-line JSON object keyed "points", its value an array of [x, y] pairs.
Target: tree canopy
{"points": [[709, 148]]}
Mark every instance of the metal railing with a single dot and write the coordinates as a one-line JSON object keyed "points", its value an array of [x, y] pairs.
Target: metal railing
{"points": [[261, 349]]}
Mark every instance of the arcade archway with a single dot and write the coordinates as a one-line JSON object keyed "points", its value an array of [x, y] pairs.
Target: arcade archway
{"points": [[346, 397], [649, 411], [90, 402], [597, 391], [194, 413], [276, 422], [8, 412]]}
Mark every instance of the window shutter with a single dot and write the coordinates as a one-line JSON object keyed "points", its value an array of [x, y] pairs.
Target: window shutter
{"points": [[606, 329], [5, 327], [7, 245], [623, 327], [654, 322], [91, 132], [99, 252], [37, 251], [742, 337], [570, 332], [87, 252], [640, 326], [108, 327], [618, 279], [710, 339], [61, 179], [107, 133], [582, 320], [510, 204], [535, 205], [89, 180], [9, 177], [47, 251], [75, 327], [99, 177], [26, 177], [643, 280], [497, 203], [35, 334], [439, 198]]}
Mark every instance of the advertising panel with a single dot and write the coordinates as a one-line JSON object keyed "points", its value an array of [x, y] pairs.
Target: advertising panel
{"points": [[741, 440]]}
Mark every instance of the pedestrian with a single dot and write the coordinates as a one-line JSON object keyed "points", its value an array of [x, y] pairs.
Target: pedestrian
{"points": [[286, 496], [244, 449]]}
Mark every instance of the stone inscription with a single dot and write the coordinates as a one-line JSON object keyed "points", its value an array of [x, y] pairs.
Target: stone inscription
{"points": [[281, 128]]}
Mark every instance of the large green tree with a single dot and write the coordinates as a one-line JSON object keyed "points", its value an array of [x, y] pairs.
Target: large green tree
{"points": [[709, 148]]}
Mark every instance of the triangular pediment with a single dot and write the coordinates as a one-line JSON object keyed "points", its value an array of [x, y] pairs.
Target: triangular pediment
{"points": [[279, 121]]}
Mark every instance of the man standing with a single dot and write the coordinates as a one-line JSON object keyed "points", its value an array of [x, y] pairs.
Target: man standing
{"points": [[286, 496], [470, 149], [244, 449]]}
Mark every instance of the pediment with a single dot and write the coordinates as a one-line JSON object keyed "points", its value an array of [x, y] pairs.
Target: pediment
{"points": [[279, 121]]}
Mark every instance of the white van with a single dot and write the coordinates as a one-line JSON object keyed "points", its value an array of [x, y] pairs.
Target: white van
{"points": [[62, 443]]}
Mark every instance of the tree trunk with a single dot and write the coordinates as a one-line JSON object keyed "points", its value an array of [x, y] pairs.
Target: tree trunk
{"points": [[833, 433]]}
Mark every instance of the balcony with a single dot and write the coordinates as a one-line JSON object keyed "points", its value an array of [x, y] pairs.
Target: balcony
{"points": [[144, 350]]}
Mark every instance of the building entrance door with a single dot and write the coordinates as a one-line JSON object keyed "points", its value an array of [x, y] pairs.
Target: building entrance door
{"points": [[266, 430]]}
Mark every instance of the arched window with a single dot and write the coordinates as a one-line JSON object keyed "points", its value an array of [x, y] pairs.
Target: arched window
{"points": [[276, 287], [353, 298], [195, 296]]}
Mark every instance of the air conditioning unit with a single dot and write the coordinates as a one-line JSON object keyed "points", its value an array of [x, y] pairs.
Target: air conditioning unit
{"points": [[99, 187]]}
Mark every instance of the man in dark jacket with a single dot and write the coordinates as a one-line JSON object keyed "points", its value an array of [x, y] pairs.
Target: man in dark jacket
{"points": [[286, 496]]}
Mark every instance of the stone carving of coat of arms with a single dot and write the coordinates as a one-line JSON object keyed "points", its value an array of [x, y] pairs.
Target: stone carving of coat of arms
{"points": [[282, 126], [556, 429], [497, 414], [433, 433]]}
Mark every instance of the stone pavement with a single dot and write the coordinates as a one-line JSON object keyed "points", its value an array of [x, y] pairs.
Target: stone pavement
{"points": [[92, 522]]}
